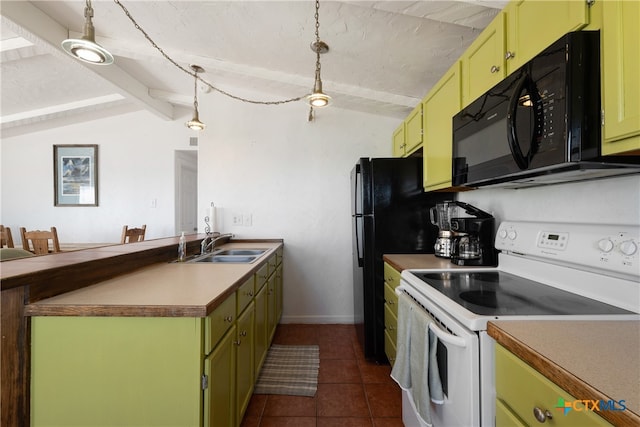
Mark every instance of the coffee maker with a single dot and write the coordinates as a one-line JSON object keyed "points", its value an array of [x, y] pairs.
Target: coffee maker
{"points": [[472, 237]]}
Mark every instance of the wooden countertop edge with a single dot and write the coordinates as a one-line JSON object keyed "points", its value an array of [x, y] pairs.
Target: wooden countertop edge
{"points": [[393, 264], [560, 376]]}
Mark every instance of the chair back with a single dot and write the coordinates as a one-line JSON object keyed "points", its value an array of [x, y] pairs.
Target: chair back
{"points": [[5, 237], [130, 235], [37, 241]]}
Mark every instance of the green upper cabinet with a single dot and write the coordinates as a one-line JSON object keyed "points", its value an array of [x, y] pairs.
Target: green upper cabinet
{"points": [[620, 34], [413, 130], [398, 141], [407, 137], [483, 63], [532, 25], [439, 107]]}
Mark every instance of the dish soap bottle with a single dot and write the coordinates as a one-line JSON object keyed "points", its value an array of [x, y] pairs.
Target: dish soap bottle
{"points": [[182, 248]]}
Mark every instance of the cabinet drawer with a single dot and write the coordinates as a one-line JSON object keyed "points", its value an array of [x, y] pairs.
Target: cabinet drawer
{"points": [[390, 324], [261, 276], [245, 294], [391, 299], [391, 276], [521, 388], [217, 323]]}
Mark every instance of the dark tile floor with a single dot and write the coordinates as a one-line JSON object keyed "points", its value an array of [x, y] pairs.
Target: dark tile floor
{"points": [[352, 392]]}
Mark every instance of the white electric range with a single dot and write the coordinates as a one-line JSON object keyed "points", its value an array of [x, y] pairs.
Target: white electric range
{"points": [[552, 271]]}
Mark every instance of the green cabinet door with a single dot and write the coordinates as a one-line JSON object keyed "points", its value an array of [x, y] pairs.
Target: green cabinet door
{"points": [[116, 371], [413, 130], [441, 104], [398, 141], [219, 392], [483, 62], [535, 24], [261, 341], [279, 294], [272, 320], [621, 76], [244, 359]]}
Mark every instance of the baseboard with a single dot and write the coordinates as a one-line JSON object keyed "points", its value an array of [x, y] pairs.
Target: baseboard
{"points": [[331, 320]]}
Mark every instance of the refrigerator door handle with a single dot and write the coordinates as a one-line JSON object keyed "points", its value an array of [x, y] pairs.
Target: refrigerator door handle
{"points": [[359, 254]]}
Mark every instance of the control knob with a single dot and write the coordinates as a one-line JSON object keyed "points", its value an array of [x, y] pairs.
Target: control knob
{"points": [[512, 235], [502, 233], [605, 245], [628, 247]]}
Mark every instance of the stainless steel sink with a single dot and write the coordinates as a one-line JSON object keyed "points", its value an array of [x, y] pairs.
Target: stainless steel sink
{"points": [[238, 259], [241, 252]]}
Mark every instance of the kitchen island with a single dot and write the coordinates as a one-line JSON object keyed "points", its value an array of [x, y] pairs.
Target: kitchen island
{"points": [[110, 283]]}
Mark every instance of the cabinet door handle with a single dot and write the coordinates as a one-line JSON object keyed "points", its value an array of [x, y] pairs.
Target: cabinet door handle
{"points": [[494, 69], [541, 415], [237, 342], [228, 319], [509, 55]]}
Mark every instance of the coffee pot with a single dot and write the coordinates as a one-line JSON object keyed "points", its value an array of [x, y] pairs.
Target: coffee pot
{"points": [[472, 237]]}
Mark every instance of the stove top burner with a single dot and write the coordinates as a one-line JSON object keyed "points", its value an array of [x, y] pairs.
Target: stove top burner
{"points": [[497, 293]]}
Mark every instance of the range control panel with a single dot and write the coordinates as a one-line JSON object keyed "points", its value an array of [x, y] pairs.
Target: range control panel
{"points": [[612, 248]]}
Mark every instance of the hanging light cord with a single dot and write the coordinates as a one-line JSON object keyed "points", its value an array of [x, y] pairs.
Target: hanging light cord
{"points": [[317, 16], [195, 92], [195, 75]]}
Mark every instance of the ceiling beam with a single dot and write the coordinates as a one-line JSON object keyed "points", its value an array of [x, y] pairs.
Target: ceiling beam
{"points": [[32, 24]]}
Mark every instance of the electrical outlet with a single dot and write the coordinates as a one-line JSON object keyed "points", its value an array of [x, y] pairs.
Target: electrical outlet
{"points": [[247, 220], [237, 219]]}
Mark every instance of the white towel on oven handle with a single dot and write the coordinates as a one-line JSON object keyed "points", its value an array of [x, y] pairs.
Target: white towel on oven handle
{"points": [[416, 368]]}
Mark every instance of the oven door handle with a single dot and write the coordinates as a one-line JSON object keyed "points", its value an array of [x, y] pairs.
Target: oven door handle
{"points": [[442, 335], [446, 337]]}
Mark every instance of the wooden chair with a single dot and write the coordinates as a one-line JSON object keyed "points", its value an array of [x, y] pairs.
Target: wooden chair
{"points": [[38, 241], [131, 235], [5, 237]]}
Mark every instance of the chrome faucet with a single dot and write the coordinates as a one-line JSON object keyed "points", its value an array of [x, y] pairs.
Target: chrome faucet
{"points": [[208, 247]]}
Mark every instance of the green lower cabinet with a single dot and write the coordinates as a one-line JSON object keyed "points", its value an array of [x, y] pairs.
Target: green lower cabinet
{"points": [[272, 295], [116, 371], [261, 341], [220, 388], [244, 359], [521, 390]]}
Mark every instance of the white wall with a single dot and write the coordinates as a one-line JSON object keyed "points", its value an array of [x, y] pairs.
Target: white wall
{"points": [[292, 177], [135, 165], [605, 201]]}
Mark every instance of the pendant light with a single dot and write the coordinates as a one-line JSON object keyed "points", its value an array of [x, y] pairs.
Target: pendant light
{"points": [[86, 49], [195, 122], [317, 97]]}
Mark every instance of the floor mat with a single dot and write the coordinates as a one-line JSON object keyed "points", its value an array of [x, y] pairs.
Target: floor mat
{"points": [[291, 370]]}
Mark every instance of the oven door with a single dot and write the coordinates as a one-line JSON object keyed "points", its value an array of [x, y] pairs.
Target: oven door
{"points": [[458, 358]]}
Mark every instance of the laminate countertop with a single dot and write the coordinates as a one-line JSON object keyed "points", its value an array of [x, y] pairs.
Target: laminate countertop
{"points": [[594, 360], [417, 261], [173, 289]]}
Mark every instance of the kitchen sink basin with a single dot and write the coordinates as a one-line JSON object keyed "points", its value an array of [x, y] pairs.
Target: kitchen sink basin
{"points": [[238, 259], [241, 252]]}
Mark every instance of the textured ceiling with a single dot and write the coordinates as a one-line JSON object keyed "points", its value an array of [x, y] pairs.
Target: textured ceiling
{"points": [[384, 55]]}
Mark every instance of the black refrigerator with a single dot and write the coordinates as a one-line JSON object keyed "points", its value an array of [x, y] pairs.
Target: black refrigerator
{"points": [[390, 215]]}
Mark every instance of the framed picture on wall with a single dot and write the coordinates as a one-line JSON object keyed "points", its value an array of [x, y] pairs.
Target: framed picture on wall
{"points": [[75, 175]]}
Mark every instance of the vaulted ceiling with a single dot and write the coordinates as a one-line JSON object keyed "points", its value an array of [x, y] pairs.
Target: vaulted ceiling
{"points": [[383, 55]]}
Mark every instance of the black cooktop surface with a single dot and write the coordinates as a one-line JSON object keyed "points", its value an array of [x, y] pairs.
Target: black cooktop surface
{"points": [[497, 293]]}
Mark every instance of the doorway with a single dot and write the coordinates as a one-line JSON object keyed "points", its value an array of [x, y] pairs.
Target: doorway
{"points": [[186, 163]]}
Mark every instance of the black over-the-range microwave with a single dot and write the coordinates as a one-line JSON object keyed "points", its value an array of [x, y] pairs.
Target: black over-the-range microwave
{"points": [[540, 125]]}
